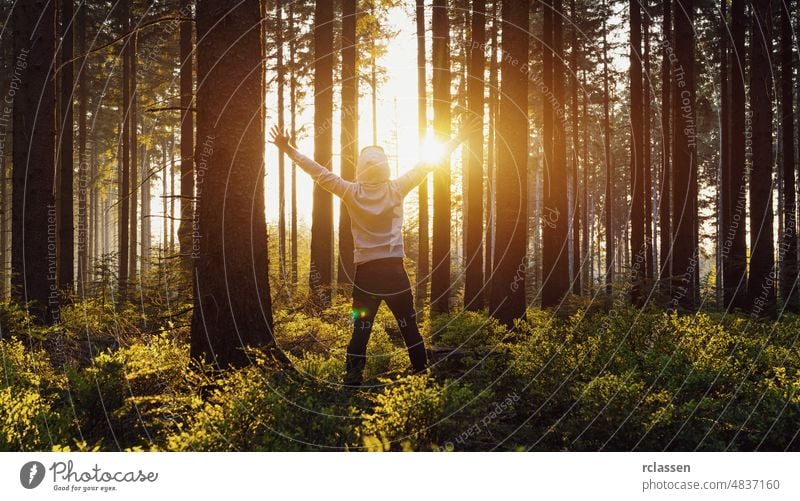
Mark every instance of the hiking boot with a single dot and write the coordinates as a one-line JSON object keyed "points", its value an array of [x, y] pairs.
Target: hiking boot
{"points": [[353, 378]]}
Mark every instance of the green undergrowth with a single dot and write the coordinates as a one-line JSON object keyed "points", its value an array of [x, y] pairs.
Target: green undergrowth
{"points": [[600, 378]]}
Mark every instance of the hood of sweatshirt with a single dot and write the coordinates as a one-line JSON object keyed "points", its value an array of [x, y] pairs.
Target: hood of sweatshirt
{"points": [[373, 166]]}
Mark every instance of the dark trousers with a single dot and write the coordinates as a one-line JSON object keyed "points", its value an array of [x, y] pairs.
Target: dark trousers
{"points": [[376, 281]]}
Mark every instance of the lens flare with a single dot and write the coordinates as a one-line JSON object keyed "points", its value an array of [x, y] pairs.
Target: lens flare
{"points": [[431, 150]]}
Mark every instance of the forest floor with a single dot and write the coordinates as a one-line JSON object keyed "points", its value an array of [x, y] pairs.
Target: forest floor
{"points": [[110, 377]]}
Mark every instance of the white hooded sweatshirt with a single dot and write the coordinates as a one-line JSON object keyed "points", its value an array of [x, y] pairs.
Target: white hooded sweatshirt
{"points": [[374, 202]]}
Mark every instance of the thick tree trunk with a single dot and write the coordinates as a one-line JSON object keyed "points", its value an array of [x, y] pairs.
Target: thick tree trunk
{"points": [[473, 220], [510, 263], [734, 258], [684, 157], [788, 245], [230, 201], [440, 276], [423, 251], [187, 176], [349, 135], [33, 203], [761, 289], [638, 249], [320, 274]]}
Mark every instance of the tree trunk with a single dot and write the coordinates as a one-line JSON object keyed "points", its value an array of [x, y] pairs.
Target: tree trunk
{"points": [[555, 216], [423, 251], [508, 283], [665, 197], [172, 193], [134, 191], [320, 274], [164, 196], [577, 262], [734, 258], [187, 216], [490, 157], [349, 135], [293, 127], [638, 249], [609, 194], [66, 228], [84, 178], [473, 220], [440, 276], [230, 202], [144, 243], [32, 264], [761, 281], [588, 213], [684, 156], [123, 191], [788, 248], [647, 202], [281, 157]]}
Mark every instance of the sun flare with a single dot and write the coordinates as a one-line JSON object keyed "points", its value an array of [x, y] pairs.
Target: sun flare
{"points": [[431, 150]]}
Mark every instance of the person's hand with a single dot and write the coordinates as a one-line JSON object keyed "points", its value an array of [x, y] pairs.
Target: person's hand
{"points": [[279, 138]]}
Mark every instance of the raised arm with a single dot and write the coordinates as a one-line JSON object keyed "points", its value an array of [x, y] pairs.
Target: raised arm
{"points": [[327, 179], [415, 176]]}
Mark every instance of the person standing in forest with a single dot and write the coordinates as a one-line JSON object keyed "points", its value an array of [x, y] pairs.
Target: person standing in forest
{"points": [[375, 204]]}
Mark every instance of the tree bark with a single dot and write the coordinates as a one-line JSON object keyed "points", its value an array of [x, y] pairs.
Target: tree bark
{"points": [[609, 193], [734, 258], [320, 273], [490, 157], [440, 276], [639, 251], [647, 202], [123, 192], [349, 135], [760, 287], [577, 261], [84, 179], [293, 127], [33, 202], [230, 202], [473, 220], [134, 191], [788, 248], [508, 282], [665, 196], [423, 256], [555, 215], [684, 155], [281, 71]]}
